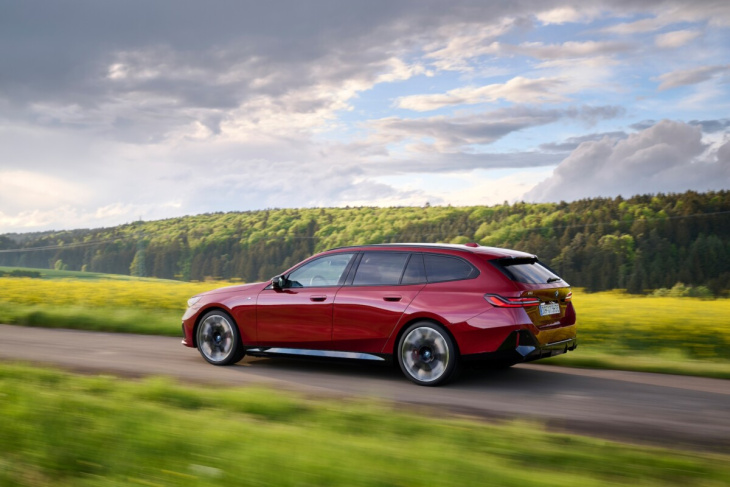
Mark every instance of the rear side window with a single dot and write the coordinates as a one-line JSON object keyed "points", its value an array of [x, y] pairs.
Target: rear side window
{"points": [[440, 268], [415, 273], [380, 268], [528, 271]]}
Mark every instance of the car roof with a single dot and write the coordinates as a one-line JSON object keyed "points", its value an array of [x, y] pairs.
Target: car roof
{"points": [[489, 252]]}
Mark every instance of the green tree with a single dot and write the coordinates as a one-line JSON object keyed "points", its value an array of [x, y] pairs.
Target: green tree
{"points": [[138, 267]]}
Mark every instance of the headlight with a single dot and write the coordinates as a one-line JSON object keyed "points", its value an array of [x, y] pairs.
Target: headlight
{"points": [[193, 300]]}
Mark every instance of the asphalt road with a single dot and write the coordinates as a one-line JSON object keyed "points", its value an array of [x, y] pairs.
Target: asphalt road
{"points": [[657, 409]]}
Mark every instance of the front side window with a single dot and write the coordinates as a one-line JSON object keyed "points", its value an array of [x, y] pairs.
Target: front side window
{"points": [[380, 269], [440, 268], [325, 271]]}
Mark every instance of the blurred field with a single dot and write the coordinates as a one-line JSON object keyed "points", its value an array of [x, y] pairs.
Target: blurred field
{"points": [[64, 430], [616, 330], [678, 335], [155, 295], [697, 328], [99, 302]]}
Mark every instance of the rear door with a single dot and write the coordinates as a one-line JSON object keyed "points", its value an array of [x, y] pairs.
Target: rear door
{"points": [[369, 306]]}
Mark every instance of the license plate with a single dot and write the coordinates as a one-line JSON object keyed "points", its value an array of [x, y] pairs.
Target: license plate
{"points": [[552, 308]]}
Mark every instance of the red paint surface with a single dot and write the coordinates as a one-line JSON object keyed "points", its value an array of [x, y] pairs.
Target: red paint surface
{"points": [[368, 318]]}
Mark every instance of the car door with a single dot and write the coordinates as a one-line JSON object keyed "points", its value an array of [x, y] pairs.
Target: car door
{"points": [[368, 307], [300, 314]]}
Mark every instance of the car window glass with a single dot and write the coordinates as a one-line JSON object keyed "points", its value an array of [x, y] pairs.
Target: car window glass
{"points": [[380, 268], [443, 268], [414, 273], [325, 271], [530, 272]]}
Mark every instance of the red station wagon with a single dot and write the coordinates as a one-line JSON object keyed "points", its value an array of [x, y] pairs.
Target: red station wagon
{"points": [[428, 306]]}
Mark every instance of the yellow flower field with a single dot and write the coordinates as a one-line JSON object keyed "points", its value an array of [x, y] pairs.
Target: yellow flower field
{"points": [[102, 293], [608, 321], [699, 328]]}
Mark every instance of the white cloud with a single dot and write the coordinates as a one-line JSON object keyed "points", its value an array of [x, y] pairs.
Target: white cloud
{"points": [[667, 157], [23, 189], [639, 26], [458, 43], [677, 38], [516, 90], [479, 187], [570, 49], [293, 104], [714, 12], [34, 219], [567, 14], [692, 76], [450, 134], [458, 54]]}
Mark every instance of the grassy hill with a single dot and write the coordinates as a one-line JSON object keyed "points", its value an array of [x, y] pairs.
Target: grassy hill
{"points": [[640, 243]]}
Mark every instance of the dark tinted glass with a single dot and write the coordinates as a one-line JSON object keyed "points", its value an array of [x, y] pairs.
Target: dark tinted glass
{"points": [[414, 274], [444, 268], [380, 268], [528, 271]]}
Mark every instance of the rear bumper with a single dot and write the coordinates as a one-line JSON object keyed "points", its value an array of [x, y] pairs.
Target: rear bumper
{"points": [[529, 352], [521, 346]]}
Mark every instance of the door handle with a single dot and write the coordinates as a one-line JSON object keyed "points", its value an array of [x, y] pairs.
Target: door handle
{"points": [[317, 298], [392, 298]]}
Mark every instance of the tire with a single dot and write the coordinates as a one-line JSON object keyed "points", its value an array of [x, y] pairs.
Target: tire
{"points": [[218, 339], [427, 354]]}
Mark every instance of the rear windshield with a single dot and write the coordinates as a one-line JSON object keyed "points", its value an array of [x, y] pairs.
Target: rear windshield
{"points": [[528, 271]]}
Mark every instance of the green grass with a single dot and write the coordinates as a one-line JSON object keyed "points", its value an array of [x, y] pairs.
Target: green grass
{"points": [[116, 320], [670, 362], [65, 430]]}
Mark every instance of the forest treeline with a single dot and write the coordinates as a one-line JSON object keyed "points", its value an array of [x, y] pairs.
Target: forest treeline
{"points": [[639, 243]]}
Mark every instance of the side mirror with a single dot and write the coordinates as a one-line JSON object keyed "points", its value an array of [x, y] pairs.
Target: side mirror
{"points": [[278, 282]]}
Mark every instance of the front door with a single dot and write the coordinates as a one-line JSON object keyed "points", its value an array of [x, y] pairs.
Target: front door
{"points": [[300, 315]]}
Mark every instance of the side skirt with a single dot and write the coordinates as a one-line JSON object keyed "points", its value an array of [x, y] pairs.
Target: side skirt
{"points": [[301, 352]]}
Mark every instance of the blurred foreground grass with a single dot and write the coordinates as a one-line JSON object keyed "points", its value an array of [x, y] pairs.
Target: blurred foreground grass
{"points": [[615, 330], [65, 430]]}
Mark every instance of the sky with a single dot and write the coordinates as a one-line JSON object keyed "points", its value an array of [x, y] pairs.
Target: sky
{"points": [[111, 112]]}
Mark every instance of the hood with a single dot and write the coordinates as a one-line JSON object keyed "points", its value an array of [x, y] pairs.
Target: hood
{"points": [[240, 288]]}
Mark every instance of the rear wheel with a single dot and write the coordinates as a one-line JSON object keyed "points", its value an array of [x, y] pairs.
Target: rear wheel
{"points": [[218, 339], [427, 354]]}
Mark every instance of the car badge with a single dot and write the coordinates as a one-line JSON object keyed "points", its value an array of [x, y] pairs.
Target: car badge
{"points": [[556, 294]]}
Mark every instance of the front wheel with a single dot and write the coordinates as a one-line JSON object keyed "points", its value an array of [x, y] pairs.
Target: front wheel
{"points": [[218, 339], [427, 354]]}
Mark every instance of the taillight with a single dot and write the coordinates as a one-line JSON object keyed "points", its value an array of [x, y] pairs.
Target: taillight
{"points": [[502, 302], [568, 296]]}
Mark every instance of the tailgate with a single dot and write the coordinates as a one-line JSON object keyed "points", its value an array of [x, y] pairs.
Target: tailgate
{"points": [[553, 305]]}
